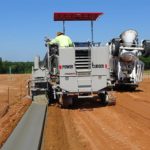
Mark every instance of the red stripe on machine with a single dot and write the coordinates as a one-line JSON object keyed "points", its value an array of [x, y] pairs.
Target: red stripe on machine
{"points": [[60, 67]]}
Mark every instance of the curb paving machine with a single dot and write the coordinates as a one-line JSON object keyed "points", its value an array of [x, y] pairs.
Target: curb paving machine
{"points": [[80, 72], [125, 67]]}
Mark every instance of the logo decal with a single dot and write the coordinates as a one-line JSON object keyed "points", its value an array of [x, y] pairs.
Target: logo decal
{"points": [[97, 65], [65, 67]]}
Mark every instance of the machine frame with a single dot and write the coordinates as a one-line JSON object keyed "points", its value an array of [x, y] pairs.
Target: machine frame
{"points": [[81, 71]]}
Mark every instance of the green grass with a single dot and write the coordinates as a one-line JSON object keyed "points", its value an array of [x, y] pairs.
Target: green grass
{"points": [[147, 71]]}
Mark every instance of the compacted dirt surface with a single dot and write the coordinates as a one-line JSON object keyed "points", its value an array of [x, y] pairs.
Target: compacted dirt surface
{"points": [[90, 126], [13, 102]]}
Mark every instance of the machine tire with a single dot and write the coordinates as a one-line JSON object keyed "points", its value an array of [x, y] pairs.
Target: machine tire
{"points": [[146, 46], [115, 46], [65, 101], [50, 94], [132, 88], [106, 100]]}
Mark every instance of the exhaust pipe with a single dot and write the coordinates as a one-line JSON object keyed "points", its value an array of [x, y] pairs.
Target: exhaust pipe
{"points": [[37, 62]]}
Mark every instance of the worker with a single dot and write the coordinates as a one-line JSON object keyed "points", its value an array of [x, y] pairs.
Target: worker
{"points": [[62, 40]]}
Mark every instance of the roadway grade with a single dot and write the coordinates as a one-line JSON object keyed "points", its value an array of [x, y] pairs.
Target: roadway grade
{"points": [[91, 126]]}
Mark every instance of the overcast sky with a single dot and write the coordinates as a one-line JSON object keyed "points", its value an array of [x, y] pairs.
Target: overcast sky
{"points": [[25, 23]]}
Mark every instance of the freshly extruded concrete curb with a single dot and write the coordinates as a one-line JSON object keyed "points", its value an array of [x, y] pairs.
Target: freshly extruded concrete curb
{"points": [[28, 133]]}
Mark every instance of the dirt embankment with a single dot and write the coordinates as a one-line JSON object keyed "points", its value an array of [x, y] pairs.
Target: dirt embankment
{"points": [[91, 126], [9, 121], [13, 102]]}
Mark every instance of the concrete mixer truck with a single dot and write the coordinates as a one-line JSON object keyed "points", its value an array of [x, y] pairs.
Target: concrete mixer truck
{"points": [[125, 66]]}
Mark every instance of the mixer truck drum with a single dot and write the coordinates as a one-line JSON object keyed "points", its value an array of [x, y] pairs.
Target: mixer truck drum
{"points": [[129, 38], [146, 46], [115, 46], [128, 57]]}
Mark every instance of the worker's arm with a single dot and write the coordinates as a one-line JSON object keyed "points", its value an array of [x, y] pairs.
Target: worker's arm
{"points": [[54, 41]]}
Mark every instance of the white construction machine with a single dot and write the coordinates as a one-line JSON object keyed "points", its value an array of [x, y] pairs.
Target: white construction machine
{"points": [[67, 73], [125, 67]]}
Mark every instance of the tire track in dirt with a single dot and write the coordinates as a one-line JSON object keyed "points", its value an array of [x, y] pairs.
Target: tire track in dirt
{"points": [[123, 128], [84, 128], [137, 104], [101, 134], [54, 133], [60, 132], [75, 140], [137, 98]]}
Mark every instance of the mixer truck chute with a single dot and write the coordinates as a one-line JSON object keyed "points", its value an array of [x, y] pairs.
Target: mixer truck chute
{"points": [[81, 71]]}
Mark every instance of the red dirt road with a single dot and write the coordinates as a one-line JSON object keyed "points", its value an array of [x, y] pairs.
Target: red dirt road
{"points": [[125, 126]]}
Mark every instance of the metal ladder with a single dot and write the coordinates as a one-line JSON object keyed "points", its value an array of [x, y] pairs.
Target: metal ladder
{"points": [[85, 86], [83, 70]]}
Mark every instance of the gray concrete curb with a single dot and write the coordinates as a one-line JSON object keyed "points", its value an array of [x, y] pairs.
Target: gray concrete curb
{"points": [[28, 133]]}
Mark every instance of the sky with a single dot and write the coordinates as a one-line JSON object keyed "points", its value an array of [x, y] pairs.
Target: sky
{"points": [[25, 23]]}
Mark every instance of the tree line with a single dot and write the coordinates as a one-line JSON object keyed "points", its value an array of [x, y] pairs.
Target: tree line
{"points": [[146, 61], [15, 67], [26, 67]]}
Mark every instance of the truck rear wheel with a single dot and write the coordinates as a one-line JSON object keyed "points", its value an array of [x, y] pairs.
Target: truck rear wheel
{"points": [[104, 98], [107, 99], [115, 46], [65, 101], [146, 46]]}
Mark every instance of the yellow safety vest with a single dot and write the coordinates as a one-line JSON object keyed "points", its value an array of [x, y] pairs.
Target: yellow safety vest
{"points": [[62, 41]]}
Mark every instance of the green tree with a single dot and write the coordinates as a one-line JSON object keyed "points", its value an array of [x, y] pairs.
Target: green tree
{"points": [[16, 67]]}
